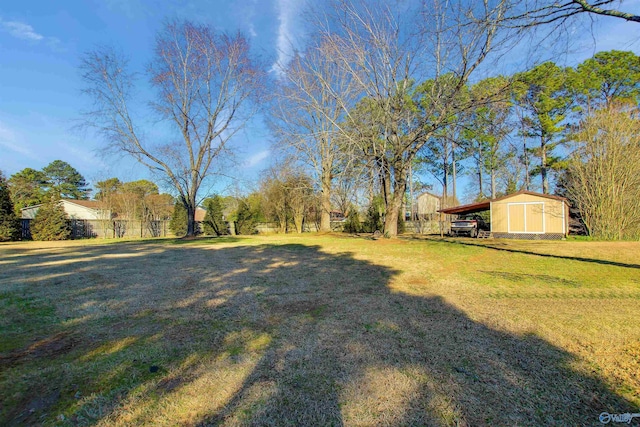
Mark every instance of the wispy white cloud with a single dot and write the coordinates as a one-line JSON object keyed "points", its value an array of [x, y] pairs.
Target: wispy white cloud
{"points": [[257, 158], [252, 30], [20, 30], [245, 12], [24, 31], [288, 30], [11, 141]]}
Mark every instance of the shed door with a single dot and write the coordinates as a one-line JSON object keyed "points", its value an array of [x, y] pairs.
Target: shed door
{"points": [[526, 217], [535, 218], [516, 218]]}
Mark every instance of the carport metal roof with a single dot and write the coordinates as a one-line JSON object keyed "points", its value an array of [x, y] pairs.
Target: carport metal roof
{"points": [[468, 209]]}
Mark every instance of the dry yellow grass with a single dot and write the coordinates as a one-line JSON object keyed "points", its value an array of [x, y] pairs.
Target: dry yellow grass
{"points": [[318, 330]]}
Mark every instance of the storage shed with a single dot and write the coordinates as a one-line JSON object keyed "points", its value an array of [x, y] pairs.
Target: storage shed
{"points": [[529, 215], [523, 215]]}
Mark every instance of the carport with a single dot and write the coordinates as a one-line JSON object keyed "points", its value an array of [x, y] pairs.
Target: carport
{"points": [[522, 215]]}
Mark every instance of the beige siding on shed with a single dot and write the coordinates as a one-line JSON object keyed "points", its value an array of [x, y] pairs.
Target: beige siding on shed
{"points": [[526, 213]]}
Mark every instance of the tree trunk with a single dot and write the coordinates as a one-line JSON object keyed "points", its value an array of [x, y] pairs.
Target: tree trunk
{"points": [[395, 204], [445, 181], [411, 192], [543, 166], [298, 219], [493, 184], [480, 181], [453, 175], [325, 214], [525, 156], [191, 218], [385, 176]]}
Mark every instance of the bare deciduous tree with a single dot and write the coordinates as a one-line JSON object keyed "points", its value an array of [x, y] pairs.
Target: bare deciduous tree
{"points": [[604, 173], [307, 114], [386, 50], [287, 195], [542, 12], [299, 191], [204, 81]]}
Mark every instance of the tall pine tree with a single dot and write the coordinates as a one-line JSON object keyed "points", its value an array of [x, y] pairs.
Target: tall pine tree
{"points": [[544, 95]]}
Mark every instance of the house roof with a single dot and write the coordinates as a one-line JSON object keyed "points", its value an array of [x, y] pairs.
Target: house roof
{"points": [[200, 213], [486, 205], [91, 204]]}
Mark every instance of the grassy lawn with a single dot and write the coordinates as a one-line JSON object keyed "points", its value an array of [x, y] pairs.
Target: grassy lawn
{"points": [[318, 330]]}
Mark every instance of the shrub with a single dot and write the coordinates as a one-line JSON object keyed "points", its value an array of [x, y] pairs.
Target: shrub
{"points": [[9, 224], [373, 220], [246, 218], [178, 223], [214, 222], [352, 222], [51, 222]]}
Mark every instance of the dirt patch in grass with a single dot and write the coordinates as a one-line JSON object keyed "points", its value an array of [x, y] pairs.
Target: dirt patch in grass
{"points": [[49, 347]]}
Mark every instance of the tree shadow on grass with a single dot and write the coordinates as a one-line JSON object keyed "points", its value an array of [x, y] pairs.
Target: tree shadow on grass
{"points": [[264, 335], [497, 247]]}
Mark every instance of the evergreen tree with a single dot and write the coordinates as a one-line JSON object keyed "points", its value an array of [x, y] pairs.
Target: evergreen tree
{"points": [[607, 78], [373, 220], [65, 181], [28, 187], [178, 223], [214, 219], [9, 225], [51, 222], [543, 92], [352, 224], [246, 217]]}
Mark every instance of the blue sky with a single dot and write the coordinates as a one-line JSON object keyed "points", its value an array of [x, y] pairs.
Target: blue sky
{"points": [[41, 42]]}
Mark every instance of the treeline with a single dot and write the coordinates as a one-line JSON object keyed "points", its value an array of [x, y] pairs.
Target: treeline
{"points": [[551, 129], [138, 201]]}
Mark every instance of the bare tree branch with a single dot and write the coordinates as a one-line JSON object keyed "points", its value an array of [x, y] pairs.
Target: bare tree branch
{"points": [[204, 81]]}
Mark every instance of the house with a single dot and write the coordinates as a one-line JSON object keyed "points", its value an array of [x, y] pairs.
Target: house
{"points": [[427, 205], [200, 214], [523, 215], [75, 209]]}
